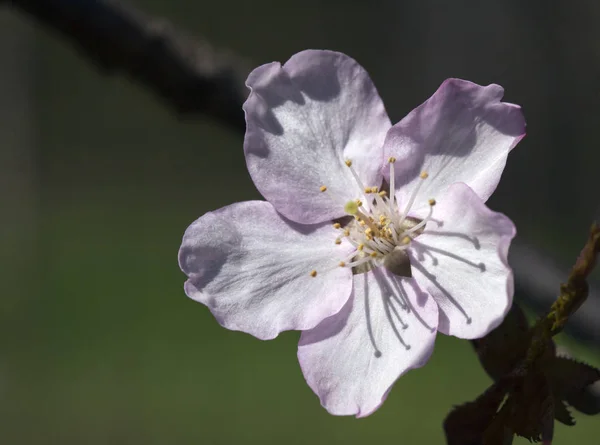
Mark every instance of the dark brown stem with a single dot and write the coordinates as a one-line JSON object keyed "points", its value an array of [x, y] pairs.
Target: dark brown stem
{"points": [[188, 74], [575, 291], [572, 295]]}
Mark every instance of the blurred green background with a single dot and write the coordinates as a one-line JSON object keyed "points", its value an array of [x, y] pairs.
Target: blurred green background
{"points": [[99, 343]]}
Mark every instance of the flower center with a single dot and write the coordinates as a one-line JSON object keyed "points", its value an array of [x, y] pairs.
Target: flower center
{"points": [[380, 231]]}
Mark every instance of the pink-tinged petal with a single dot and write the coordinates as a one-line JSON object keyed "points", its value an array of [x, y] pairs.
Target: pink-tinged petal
{"points": [[252, 269], [461, 260], [463, 133], [352, 359], [303, 120]]}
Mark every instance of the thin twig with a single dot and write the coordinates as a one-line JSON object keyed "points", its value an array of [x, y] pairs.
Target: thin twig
{"points": [[572, 295]]}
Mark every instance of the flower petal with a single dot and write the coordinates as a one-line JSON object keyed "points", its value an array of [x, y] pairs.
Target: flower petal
{"points": [[303, 120], [352, 359], [463, 264], [463, 133], [252, 269]]}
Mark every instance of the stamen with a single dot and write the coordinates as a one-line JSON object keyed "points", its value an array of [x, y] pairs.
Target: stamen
{"points": [[356, 178], [424, 221], [392, 206], [381, 246], [411, 201], [383, 208], [342, 264], [337, 226], [386, 243], [364, 250], [338, 241], [389, 217], [323, 188], [313, 273], [359, 262], [367, 221]]}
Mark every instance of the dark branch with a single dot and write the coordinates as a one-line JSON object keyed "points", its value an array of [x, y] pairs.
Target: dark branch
{"points": [[537, 280], [189, 75]]}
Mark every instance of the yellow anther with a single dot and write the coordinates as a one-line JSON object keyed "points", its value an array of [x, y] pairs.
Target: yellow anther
{"points": [[424, 175], [369, 231], [373, 254], [348, 162], [361, 222], [382, 193], [342, 264], [351, 208], [346, 232], [391, 159], [368, 190], [313, 273], [359, 202], [360, 247], [337, 226], [382, 219], [432, 202], [374, 189], [406, 240], [338, 241], [323, 188]]}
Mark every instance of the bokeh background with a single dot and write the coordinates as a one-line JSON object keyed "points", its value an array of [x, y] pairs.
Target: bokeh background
{"points": [[98, 181]]}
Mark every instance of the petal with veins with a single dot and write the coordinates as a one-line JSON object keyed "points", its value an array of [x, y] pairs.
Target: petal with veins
{"points": [[352, 359], [463, 133], [304, 119], [461, 260], [252, 268]]}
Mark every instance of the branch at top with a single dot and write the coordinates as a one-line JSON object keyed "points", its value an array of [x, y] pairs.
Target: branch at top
{"points": [[190, 75]]}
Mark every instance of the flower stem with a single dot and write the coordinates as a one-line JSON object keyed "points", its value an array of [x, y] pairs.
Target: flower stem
{"points": [[572, 295]]}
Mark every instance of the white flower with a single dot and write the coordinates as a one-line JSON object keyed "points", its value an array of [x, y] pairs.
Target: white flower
{"points": [[373, 238]]}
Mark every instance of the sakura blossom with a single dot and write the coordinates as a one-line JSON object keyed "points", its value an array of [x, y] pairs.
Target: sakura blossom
{"points": [[372, 238]]}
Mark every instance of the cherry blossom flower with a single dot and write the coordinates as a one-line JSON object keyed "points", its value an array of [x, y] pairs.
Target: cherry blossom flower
{"points": [[373, 237]]}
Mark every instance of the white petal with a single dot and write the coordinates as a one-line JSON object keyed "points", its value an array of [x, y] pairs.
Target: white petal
{"points": [[352, 359], [463, 263], [303, 120], [252, 269], [463, 133]]}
